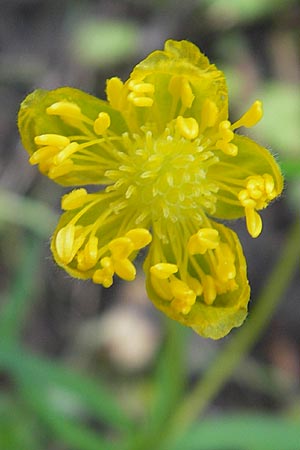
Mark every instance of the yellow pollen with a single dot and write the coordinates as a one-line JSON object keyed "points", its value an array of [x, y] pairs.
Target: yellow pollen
{"points": [[64, 108], [187, 127], [251, 117], [204, 239], [55, 140], [102, 123], [162, 271]]}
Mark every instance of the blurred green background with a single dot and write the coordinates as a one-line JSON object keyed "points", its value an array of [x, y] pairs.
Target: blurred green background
{"points": [[90, 369]]}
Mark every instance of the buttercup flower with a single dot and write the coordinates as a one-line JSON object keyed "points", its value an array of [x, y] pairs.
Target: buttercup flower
{"points": [[170, 164]]}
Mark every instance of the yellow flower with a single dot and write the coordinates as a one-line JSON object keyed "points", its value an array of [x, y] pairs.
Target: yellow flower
{"points": [[170, 164]]}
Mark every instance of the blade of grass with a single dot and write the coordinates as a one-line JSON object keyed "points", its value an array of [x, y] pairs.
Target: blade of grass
{"points": [[89, 395], [19, 300], [69, 431], [26, 212], [242, 431]]}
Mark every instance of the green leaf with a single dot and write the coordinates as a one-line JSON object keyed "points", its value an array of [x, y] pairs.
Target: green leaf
{"points": [[242, 432]]}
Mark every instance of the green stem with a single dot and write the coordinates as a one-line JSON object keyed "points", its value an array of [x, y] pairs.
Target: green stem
{"points": [[221, 369]]}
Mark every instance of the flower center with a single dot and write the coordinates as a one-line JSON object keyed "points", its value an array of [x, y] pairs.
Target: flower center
{"points": [[166, 175]]}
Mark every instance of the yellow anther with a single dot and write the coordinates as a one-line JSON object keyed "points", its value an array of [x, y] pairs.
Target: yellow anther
{"points": [[121, 247], [163, 271], [256, 187], [205, 239], [195, 285], [125, 269], [64, 108], [140, 237], [187, 96], [136, 100], [102, 123], [61, 170], [225, 131], [55, 140], [107, 264], [209, 114], [187, 127], [114, 87], [253, 222], [74, 199], [66, 153], [226, 268], [227, 147], [104, 277], [141, 88], [251, 117], [161, 287], [179, 87], [269, 186], [64, 243], [182, 291], [245, 199], [91, 251], [209, 289], [43, 154]]}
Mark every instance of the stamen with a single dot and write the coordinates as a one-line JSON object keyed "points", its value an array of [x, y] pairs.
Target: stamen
{"points": [[125, 269], [67, 243], [64, 108], [204, 239], [137, 95], [209, 289], [140, 237], [253, 222], [209, 114], [121, 247], [140, 101], [55, 140], [187, 96], [43, 154], [66, 153], [162, 271], [187, 127], [251, 117], [74, 199], [114, 88], [102, 123]]}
